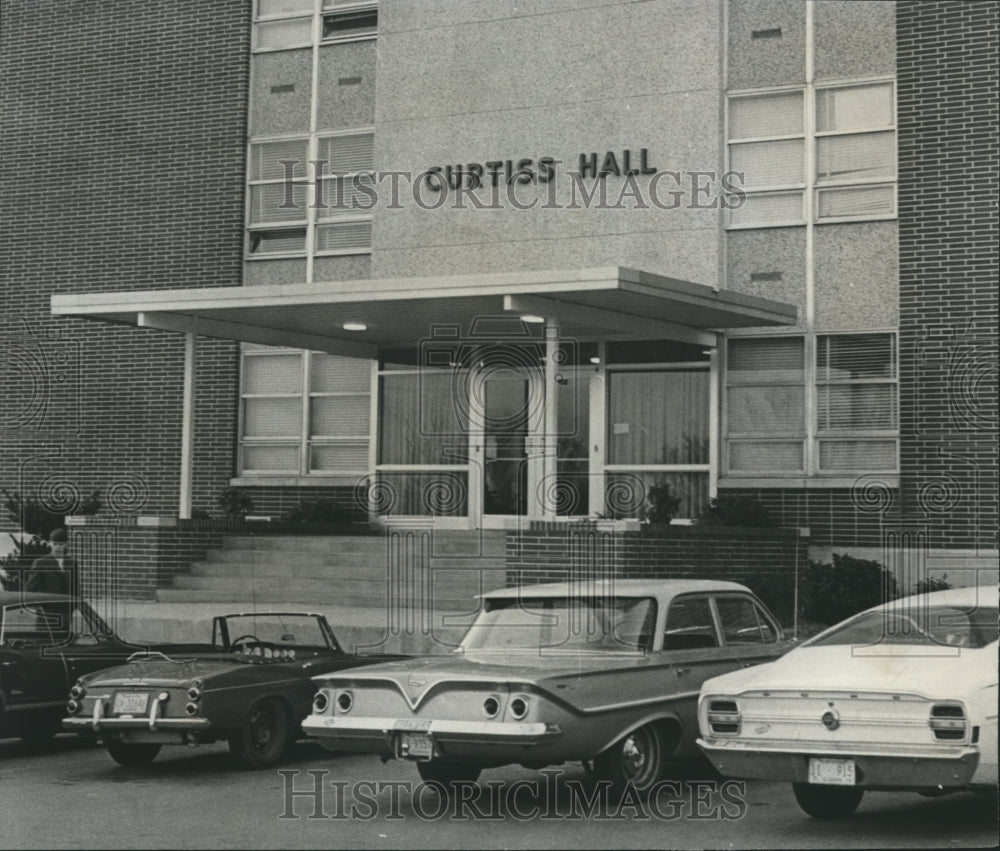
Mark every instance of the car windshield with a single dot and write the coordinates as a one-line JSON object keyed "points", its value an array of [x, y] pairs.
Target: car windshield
{"points": [[282, 630], [914, 624], [51, 622], [588, 624]]}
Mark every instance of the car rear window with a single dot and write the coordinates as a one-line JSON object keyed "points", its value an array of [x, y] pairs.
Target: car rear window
{"points": [[912, 624]]}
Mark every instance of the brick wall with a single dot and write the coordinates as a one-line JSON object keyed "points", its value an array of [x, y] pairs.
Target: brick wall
{"points": [[764, 559], [948, 241], [124, 130], [126, 562]]}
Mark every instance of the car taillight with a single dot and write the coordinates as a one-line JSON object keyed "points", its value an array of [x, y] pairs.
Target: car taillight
{"points": [[518, 708], [724, 717], [345, 700], [194, 693], [72, 707], [191, 708], [320, 702], [491, 707], [77, 692], [948, 722]]}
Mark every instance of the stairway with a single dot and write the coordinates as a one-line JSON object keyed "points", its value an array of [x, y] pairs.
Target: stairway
{"points": [[409, 590]]}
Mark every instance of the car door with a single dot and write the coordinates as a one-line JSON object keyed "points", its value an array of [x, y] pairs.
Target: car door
{"points": [[752, 635], [32, 671]]}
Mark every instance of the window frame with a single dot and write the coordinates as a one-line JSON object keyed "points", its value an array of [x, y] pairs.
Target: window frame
{"points": [[812, 187], [305, 441], [317, 14]]}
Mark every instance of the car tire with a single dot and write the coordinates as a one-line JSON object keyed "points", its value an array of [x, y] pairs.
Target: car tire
{"points": [[447, 772], [262, 738], [827, 802], [131, 754], [635, 760]]}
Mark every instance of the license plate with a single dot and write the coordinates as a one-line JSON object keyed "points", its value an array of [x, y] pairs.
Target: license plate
{"points": [[414, 724], [831, 772], [130, 702], [416, 745]]}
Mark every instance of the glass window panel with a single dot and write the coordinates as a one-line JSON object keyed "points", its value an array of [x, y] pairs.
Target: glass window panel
{"points": [[278, 202], [280, 458], [654, 351], [272, 373], [766, 409], [340, 416], [289, 241], [768, 163], [343, 236], [572, 414], [854, 108], [857, 455], [272, 417], [355, 152], [769, 208], [627, 494], [350, 24], [274, 35], [443, 494], [856, 406], [658, 417], [279, 7], [856, 201], [741, 623], [758, 456], [689, 625], [850, 356], [571, 494], [340, 457], [765, 115], [765, 359], [341, 195], [333, 373], [864, 156], [272, 160], [423, 419]]}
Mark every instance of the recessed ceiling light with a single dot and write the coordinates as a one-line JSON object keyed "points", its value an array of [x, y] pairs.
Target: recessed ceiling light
{"points": [[355, 326], [532, 318]]}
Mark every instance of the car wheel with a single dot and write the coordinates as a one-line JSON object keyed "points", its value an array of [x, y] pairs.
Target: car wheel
{"points": [[447, 772], [40, 730], [131, 753], [635, 760], [261, 740], [827, 802]]}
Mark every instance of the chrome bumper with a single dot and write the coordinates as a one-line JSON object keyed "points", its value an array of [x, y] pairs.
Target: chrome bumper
{"points": [[380, 735], [914, 768], [152, 721]]}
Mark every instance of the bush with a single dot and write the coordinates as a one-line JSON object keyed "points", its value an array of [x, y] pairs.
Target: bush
{"points": [[833, 592], [663, 504], [733, 509], [235, 503], [933, 583]]}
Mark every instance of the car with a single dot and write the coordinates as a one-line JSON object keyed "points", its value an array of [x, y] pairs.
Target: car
{"points": [[603, 672], [251, 687], [47, 641], [902, 696]]}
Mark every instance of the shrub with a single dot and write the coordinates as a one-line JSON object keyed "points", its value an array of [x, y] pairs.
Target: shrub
{"points": [[933, 583], [319, 512], [833, 592], [235, 503], [663, 504], [733, 509]]}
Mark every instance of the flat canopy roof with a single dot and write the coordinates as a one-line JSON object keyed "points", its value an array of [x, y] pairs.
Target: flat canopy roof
{"points": [[597, 303]]}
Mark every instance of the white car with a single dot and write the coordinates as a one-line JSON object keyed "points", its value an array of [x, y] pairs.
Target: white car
{"points": [[901, 696]]}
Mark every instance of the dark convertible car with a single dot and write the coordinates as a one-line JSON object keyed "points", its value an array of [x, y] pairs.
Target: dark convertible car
{"points": [[251, 687]]}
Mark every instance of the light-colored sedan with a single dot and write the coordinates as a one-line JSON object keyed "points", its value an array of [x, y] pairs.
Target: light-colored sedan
{"points": [[606, 673], [900, 697]]}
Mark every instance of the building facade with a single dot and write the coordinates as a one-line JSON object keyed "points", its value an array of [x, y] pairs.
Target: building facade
{"points": [[489, 263]]}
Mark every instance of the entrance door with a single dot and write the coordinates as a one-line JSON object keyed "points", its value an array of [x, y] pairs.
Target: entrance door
{"points": [[507, 414]]}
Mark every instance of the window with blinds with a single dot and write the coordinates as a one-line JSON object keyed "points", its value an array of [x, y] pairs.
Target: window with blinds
{"points": [[304, 413], [294, 196], [853, 144], [286, 24], [857, 419], [765, 405], [853, 384]]}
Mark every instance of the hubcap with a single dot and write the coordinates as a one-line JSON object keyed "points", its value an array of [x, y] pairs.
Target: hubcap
{"points": [[639, 758]]}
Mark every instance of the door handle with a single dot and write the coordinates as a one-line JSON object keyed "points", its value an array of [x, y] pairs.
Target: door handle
{"points": [[681, 671]]}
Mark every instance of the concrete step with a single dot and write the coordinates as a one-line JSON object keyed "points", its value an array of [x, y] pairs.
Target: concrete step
{"points": [[327, 568], [328, 588], [446, 542]]}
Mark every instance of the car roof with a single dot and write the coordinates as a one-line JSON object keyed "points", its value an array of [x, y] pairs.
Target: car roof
{"points": [[968, 597], [619, 587], [12, 598]]}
